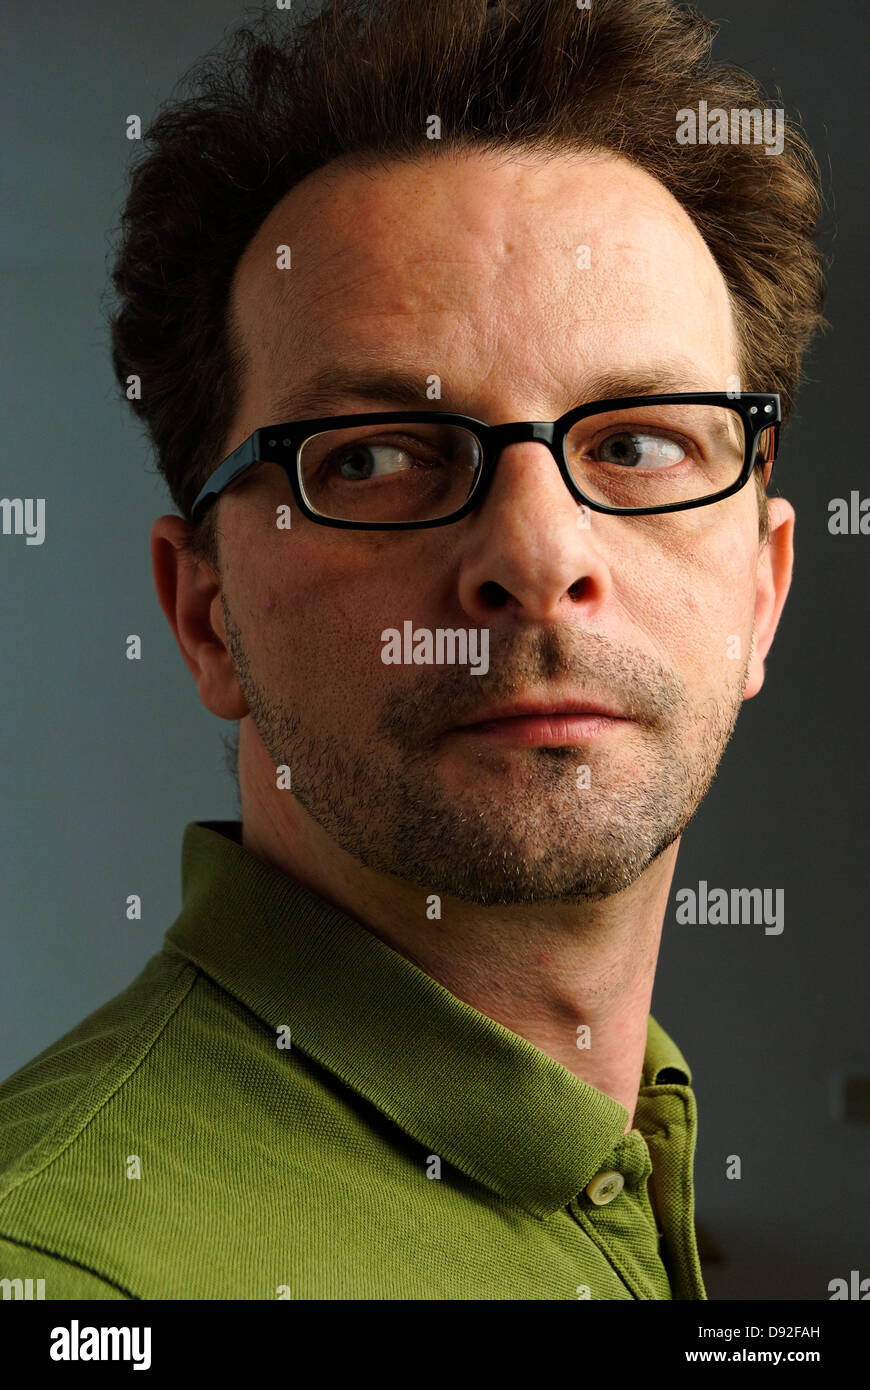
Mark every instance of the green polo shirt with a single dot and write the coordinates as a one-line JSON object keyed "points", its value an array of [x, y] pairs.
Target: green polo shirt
{"points": [[282, 1106]]}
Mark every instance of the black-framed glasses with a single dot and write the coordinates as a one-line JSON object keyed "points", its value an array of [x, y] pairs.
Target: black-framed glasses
{"points": [[392, 470]]}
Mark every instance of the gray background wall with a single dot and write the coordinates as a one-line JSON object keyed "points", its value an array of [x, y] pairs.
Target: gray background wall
{"points": [[103, 761]]}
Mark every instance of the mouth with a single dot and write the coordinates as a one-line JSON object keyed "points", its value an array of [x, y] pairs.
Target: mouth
{"points": [[545, 724]]}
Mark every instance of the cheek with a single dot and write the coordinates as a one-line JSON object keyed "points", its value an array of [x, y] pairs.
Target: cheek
{"points": [[272, 601], [323, 611], [696, 590], [710, 622]]}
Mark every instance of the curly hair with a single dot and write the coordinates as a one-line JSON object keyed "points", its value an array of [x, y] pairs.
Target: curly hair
{"points": [[277, 101]]}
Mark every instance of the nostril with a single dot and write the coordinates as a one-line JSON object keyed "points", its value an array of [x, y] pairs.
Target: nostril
{"points": [[495, 595]]}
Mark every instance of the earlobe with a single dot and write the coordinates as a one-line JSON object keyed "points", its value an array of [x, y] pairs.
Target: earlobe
{"points": [[775, 564]]}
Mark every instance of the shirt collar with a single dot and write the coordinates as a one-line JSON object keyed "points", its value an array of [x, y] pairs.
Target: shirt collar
{"points": [[481, 1097]]}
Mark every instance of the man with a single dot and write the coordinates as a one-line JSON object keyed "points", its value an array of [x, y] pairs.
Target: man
{"points": [[398, 1043]]}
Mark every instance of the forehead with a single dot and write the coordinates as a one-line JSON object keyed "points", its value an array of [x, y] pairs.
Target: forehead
{"points": [[518, 267]]}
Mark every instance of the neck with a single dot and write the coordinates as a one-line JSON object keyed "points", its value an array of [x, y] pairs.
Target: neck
{"points": [[575, 980]]}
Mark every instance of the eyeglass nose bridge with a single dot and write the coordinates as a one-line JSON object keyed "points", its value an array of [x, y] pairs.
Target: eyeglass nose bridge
{"points": [[497, 439], [520, 432]]}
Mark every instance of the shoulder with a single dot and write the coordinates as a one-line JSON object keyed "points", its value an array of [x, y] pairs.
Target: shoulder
{"points": [[65, 1118]]}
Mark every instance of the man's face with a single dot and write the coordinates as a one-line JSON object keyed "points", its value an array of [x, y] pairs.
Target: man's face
{"points": [[468, 269]]}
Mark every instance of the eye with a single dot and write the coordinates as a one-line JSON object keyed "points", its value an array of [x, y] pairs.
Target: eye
{"points": [[361, 461], [633, 450]]}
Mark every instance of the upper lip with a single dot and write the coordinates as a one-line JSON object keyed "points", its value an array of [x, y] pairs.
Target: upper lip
{"points": [[542, 708]]}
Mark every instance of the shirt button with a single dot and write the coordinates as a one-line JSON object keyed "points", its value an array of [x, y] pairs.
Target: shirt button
{"points": [[604, 1187]]}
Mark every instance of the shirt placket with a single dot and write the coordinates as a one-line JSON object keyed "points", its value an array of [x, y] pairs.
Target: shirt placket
{"points": [[666, 1116], [615, 1212]]}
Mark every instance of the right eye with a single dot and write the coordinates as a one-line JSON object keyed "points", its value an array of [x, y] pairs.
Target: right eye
{"points": [[358, 462]]}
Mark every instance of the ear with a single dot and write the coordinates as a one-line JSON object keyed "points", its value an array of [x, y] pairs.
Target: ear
{"points": [[775, 562], [189, 591]]}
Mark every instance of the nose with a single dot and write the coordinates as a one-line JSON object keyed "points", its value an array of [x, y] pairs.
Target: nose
{"points": [[531, 548]]}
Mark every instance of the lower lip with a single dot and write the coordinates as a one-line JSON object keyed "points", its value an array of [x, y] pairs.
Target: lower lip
{"points": [[551, 731]]}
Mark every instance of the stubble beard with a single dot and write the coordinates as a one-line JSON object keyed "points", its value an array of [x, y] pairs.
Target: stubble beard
{"points": [[521, 827]]}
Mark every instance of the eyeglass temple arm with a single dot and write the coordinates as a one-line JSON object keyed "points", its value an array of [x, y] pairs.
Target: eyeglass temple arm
{"points": [[771, 458], [232, 467]]}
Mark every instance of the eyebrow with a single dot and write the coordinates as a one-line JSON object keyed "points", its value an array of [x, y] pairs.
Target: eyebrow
{"points": [[335, 389]]}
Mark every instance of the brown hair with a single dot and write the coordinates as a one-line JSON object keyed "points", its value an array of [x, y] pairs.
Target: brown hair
{"points": [[361, 77]]}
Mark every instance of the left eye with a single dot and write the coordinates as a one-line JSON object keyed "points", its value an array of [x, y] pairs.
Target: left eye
{"points": [[640, 451]]}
